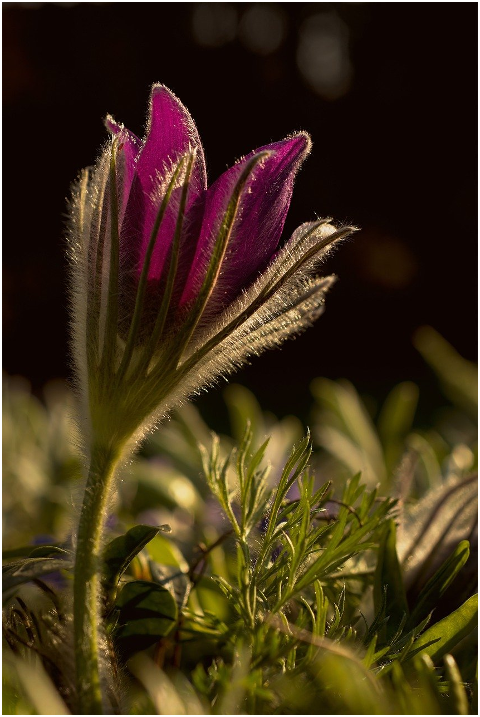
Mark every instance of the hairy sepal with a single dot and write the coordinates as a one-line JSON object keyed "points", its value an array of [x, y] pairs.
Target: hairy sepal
{"points": [[288, 300], [296, 261]]}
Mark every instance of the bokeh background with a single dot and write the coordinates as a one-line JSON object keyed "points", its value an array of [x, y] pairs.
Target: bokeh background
{"points": [[388, 93]]}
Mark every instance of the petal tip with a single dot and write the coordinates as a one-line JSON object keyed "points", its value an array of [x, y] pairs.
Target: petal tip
{"points": [[304, 142], [163, 100], [158, 90], [294, 149], [113, 126]]}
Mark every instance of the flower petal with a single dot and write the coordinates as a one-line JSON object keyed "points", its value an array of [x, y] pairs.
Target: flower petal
{"points": [[258, 224], [131, 142], [171, 133]]}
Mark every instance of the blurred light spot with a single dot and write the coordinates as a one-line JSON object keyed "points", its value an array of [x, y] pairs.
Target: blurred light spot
{"points": [[322, 55], [183, 493], [463, 457], [384, 260], [262, 29], [214, 24]]}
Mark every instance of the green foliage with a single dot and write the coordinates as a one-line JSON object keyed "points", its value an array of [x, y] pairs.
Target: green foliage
{"points": [[389, 589], [144, 613], [289, 607], [433, 591], [442, 637], [119, 553], [274, 590], [345, 429], [298, 544], [37, 563], [458, 376], [41, 464], [383, 442]]}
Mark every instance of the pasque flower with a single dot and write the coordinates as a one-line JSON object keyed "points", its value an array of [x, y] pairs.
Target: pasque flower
{"points": [[176, 283]]}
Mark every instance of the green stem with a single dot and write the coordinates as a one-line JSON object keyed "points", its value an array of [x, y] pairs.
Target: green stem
{"points": [[86, 586]]}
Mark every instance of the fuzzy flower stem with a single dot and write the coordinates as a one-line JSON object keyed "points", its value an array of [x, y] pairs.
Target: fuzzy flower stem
{"points": [[87, 587]]}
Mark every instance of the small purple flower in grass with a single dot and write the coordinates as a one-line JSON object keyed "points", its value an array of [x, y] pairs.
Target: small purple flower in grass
{"points": [[175, 283]]}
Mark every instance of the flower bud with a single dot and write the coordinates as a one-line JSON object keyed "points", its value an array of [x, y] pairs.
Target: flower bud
{"points": [[176, 283]]}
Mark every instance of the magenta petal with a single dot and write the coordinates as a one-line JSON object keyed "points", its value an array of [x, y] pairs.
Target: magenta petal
{"points": [[130, 141], [259, 222], [171, 133]]}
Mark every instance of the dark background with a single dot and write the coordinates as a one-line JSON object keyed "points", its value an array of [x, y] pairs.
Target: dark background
{"points": [[388, 93]]}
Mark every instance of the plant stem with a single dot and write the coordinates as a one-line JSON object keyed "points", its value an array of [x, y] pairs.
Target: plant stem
{"points": [[87, 580]]}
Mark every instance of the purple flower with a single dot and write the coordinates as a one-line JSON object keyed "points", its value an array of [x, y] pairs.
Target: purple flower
{"points": [[176, 283]]}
